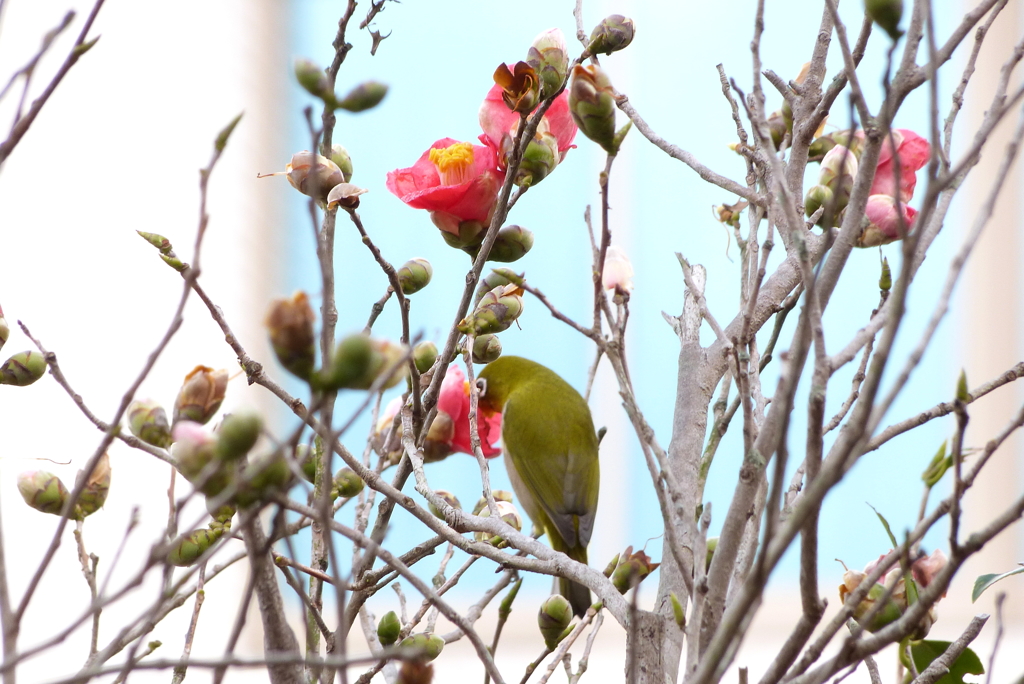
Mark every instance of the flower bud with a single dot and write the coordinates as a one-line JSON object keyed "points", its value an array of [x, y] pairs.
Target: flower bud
{"points": [[498, 277], [779, 125], [612, 564], [22, 369], [511, 244], [345, 195], [710, 545], [414, 275], [486, 348], [882, 222], [315, 81], [819, 147], [617, 274], [838, 169], [539, 159], [290, 325], [730, 214], [677, 610], [5, 330], [821, 196], [498, 494], [887, 14], [193, 452], [346, 484], [885, 279], [201, 395], [415, 672], [467, 235], [237, 435], [366, 95], [389, 628], [359, 360], [189, 547], [221, 514], [614, 33], [507, 512], [520, 86], [341, 157], [892, 611], [267, 474], [592, 105], [549, 58], [311, 174], [158, 241], [308, 460], [449, 499], [424, 355], [97, 486], [147, 420], [430, 644], [632, 569], [43, 491], [554, 616], [496, 311]]}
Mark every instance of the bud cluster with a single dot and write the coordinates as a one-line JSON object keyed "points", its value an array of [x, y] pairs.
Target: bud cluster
{"points": [[45, 492]]}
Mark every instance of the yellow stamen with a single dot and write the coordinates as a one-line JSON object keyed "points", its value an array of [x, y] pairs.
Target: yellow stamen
{"points": [[453, 162]]}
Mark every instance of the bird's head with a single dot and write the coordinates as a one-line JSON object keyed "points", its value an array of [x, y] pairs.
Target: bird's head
{"points": [[500, 378]]}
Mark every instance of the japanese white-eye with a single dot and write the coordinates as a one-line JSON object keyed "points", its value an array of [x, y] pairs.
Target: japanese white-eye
{"points": [[551, 454]]}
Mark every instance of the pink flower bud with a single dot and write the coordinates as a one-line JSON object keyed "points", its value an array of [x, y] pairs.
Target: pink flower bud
{"points": [[618, 271], [882, 221]]}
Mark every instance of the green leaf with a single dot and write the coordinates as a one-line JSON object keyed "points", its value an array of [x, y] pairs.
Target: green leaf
{"points": [[924, 652], [908, 579], [222, 138], [985, 581], [940, 463]]}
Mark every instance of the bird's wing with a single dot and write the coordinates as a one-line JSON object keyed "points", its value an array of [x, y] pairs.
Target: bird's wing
{"points": [[547, 470]]}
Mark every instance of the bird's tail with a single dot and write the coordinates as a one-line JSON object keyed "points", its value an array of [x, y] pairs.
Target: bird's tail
{"points": [[578, 595]]}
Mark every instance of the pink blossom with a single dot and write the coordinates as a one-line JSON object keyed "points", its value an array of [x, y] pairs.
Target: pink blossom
{"points": [[454, 181], [927, 567], [913, 152], [618, 271], [454, 401], [882, 222], [497, 121]]}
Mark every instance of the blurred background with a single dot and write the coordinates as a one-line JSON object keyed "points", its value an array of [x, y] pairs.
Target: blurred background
{"points": [[117, 149]]}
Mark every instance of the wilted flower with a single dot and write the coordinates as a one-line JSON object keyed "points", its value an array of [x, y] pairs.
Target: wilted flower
{"points": [[520, 86], [618, 271], [345, 195], [311, 174], [290, 324], [632, 569], [456, 182], [499, 124], [881, 223], [923, 570]]}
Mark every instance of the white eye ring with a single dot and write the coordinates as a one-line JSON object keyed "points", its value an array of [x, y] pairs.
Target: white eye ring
{"points": [[481, 384]]}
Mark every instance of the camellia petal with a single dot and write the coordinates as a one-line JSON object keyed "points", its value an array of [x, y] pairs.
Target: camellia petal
{"points": [[882, 223], [497, 120], [454, 400], [455, 178], [913, 152]]}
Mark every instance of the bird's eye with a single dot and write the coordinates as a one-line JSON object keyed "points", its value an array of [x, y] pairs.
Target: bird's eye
{"points": [[481, 384]]}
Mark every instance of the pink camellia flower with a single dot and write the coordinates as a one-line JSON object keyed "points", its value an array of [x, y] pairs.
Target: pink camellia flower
{"points": [[497, 121], [618, 271], [913, 152], [450, 430], [882, 222], [455, 181]]}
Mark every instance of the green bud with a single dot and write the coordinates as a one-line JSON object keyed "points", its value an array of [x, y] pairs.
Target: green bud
{"points": [[610, 568], [819, 147], [174, 262], [147, 420], [97, 486], [962, 393], [486, 348], [366, 95], [308, 461], [269, 473], [189, 547], [632, 569], [838, 169], [430, 644], [592, 105], [237, 435], [43, 491], [496, 311], [508, 513], [290, 325], [346, 484], [938, 466], [315, 81], [892, 610], [414, 275], [885, 280], [340, 156], [614, 33], [221, 514], [449, 499], [389, 628], [511, 244], [193, 452], [423, 355], [5, 330], [539, 159], [549, 58], [471, 233], [498, 277], [887, 14], [158, 241], [498, 494], [359, 360], [554, 616], [201, 394], [712, 544], [779, 125], [22, 369], [677, 610], [818, 196]]}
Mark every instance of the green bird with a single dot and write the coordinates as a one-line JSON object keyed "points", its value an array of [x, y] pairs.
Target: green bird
{"points": [[551, 455]]}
